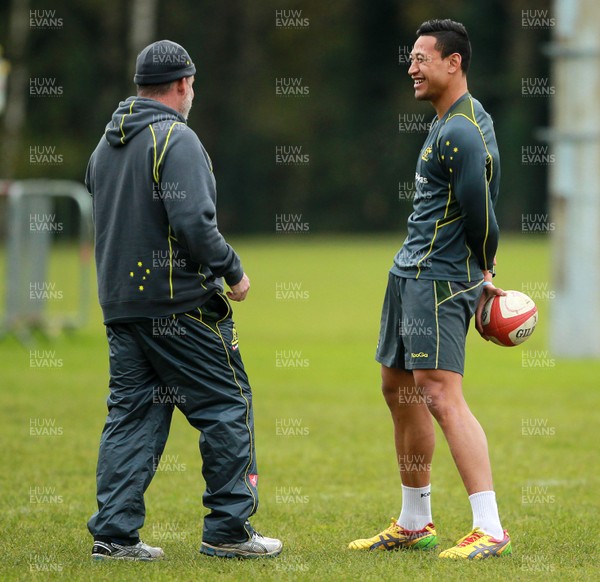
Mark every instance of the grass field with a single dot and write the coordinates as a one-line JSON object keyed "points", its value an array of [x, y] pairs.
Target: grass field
{"points": [[326, 459]]}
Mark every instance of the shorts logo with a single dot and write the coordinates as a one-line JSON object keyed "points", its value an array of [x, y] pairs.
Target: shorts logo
{"points": [[419, 355], [234, 339], [253, 480]]}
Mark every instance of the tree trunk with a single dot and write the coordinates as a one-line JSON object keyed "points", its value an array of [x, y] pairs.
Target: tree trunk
{"points": [[143, 26], [16, 103]]}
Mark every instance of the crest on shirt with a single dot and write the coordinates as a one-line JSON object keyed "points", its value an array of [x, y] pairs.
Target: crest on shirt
{"points": [[426, 153]]}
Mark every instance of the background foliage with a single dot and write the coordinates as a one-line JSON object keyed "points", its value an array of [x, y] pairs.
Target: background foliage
{"points": [[348, 56]]}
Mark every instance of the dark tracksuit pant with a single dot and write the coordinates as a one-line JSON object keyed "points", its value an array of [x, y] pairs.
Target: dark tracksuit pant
{"points": [[190, 361]]}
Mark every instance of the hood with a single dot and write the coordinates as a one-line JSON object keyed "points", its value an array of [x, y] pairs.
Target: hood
{"points": [[135, 114]]}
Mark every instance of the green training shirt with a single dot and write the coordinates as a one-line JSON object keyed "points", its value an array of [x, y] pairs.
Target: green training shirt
{"points": [[452, 232]]}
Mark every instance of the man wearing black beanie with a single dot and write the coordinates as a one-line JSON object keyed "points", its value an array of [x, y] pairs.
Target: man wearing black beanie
{"points": [[161, 262]]}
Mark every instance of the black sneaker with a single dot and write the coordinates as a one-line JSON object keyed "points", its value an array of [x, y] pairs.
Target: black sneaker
{"points": [[139, 552]]}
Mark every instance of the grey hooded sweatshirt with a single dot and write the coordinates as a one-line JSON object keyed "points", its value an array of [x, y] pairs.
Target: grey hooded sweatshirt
{"points": [[158, 248]]}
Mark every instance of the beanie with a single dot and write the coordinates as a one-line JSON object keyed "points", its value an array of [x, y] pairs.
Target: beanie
{"points": [[161, 62]]}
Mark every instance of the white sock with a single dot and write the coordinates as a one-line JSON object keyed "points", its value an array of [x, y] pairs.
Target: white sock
{"points": [[416, 507], [485, 513]]}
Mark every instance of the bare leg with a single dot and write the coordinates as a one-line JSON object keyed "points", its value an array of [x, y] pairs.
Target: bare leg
{"points": [[467, 441], [413, 426]]}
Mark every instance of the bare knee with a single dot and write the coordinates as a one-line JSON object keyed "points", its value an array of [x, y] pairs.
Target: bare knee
{"points": [[390, 393], [393, 382], [437, 401], [442, 394]]}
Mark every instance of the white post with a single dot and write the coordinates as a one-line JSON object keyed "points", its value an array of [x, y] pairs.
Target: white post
{"points": [[574, 180]]}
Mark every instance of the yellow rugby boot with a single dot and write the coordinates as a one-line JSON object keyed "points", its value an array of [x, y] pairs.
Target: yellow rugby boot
{"points": [[478, 546], [396, 537]]}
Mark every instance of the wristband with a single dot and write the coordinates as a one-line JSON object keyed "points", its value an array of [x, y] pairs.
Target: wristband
{"points": [[486, 283]]}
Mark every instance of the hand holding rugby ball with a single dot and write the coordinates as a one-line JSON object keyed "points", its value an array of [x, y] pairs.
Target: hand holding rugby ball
{"points": [[508, 320]]}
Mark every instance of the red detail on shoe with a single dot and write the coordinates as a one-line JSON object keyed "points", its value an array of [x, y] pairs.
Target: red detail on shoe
{"points": [[417, 531], [470, 539], [505, 532]]}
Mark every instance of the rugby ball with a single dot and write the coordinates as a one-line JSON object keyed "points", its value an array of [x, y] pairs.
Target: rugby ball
{"points": [[508, 320]]}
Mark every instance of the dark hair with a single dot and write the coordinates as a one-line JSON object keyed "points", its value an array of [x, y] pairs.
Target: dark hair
{"points": [[451, 37]]}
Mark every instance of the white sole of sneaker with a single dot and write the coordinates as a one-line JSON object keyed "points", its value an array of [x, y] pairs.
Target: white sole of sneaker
{"points": [[220, 552], [101, 557]]}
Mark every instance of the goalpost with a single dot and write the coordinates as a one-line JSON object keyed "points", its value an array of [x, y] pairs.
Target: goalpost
{"points": [[30, 289], [574, 180]]}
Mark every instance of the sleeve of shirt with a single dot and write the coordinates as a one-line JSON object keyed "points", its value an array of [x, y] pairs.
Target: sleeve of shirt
{"points": [[187, 170], [463, 153]]}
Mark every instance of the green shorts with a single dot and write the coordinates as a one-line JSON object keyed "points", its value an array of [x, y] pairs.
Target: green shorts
{"points": [[424, 323]]}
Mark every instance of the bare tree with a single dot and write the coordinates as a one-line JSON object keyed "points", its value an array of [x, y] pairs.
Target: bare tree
{"points": [[143, 26]]}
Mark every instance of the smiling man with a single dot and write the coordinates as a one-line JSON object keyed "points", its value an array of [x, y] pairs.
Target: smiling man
{"points": [[440, 278]]}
